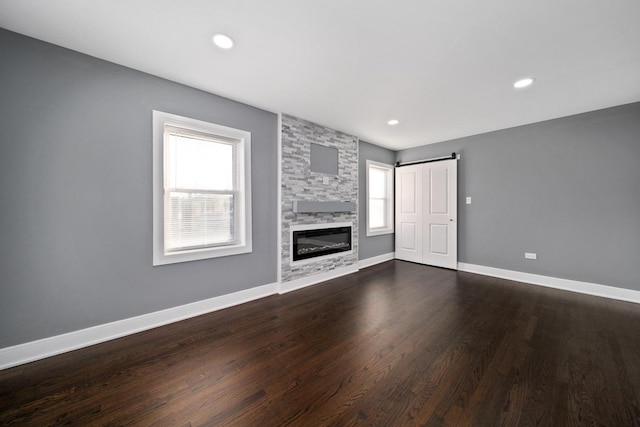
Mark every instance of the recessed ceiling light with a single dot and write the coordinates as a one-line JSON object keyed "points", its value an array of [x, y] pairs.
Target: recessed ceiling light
{"points": [[522, 83], [223, 41], [393, 122]]}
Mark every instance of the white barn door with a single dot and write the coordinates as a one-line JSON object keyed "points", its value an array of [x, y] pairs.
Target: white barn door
{"points": [[426, 213], [440, 210], [409, 213]]}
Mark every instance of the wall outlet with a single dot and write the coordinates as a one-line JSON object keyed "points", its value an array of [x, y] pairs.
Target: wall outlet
{"points": [[468, 200], [528, 255]]}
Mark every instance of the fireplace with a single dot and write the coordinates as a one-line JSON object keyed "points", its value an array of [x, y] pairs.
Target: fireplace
{"points": [[319, 241]]}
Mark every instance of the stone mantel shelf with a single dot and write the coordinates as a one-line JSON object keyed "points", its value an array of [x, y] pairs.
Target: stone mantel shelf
{"points": [[304, 206]]}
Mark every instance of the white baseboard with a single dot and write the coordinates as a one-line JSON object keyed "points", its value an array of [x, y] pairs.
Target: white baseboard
{"points": [[40, 349], [303, 282], [364, 263], [554, 282]]}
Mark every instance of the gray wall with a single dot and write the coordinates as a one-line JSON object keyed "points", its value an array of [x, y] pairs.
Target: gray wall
{"points": [[374, 245], [567, 189], [75, 185]]}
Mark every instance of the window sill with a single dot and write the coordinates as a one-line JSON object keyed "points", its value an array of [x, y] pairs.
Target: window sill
{"points": [[196, 255], [379, 232]]}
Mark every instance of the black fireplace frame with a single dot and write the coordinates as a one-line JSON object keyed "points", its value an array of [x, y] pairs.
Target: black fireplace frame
{"points": [[296, 235]]}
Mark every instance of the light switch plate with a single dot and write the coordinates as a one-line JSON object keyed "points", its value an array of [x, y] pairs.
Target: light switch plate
{"points": [[468, 200]]}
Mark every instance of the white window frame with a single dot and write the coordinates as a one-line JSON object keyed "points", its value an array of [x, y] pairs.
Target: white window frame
{"points": [[390, 226], [242, 140]]}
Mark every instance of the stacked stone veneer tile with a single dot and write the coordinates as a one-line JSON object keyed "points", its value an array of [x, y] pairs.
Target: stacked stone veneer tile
{"points": [[299, 183]]}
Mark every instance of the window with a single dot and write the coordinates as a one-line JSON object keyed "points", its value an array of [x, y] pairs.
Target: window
{"points": [[379, 198], [202, 182]]}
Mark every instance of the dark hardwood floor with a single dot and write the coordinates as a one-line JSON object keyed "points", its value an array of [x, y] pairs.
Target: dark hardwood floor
{"points": [[395, 344]]}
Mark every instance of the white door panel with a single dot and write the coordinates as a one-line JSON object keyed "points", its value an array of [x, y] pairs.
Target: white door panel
{"points": [[409, 213], [438, 200], [408, 237], [408, 193], [438, 239], [440, 214]]}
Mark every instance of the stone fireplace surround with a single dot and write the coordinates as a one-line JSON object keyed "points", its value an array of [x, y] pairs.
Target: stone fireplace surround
{"points": [[299, 184]]}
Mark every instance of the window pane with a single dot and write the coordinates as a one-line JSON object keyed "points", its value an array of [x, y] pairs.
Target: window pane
{"points": [[199, 164], [377, 213], [377, 183], [198, 220]]}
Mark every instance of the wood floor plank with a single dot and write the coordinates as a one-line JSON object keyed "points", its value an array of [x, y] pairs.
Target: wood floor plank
{"points": [[394, 344]]}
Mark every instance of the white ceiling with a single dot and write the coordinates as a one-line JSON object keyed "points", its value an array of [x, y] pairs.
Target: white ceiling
{"points": [[444, 68]]}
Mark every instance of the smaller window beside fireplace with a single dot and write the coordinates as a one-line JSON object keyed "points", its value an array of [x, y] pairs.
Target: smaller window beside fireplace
{"points": [[313, 241]]}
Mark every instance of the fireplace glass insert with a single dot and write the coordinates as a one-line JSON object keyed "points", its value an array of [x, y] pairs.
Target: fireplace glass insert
{"points": [[323, 241]]}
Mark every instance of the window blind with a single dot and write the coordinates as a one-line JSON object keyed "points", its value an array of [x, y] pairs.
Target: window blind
{"points": [[200, 190]]}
